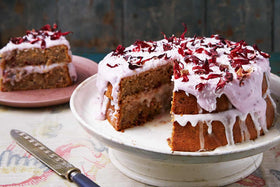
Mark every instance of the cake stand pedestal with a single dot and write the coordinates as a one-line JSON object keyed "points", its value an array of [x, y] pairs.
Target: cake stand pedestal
{"points": [[180, 173]]}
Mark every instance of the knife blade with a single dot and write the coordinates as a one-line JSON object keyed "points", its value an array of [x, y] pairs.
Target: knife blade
{"points": [[51, 159]]}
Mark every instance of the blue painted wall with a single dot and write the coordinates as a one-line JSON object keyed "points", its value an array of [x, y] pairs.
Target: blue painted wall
{"points": [[98, 26]]}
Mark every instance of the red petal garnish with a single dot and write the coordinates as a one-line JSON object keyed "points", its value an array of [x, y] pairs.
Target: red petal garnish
{"points": [[40, 35], [167, 47], [34, 41], [141, 44], [220, 84], [177, 70], [205, 67], [265, 55], [54, 27], [46, 28], [193, 40], [185, 31], [65, 33], [133, 66], [109, 65], [211, 76], [229, 44], [181, 52], [212, 60], [188, 52], [223, 67], [140, 60], [152, 48], [199, 50], [43, 44], [17, 40], [136, 49], [228, 77], [195, 59], [162, 55], [118, 51], [56, 35], [185, 78], [200, 86]]}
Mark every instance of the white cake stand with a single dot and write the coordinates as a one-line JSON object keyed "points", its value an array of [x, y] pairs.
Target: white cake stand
{"points": [[168, 173], [142, 153]]}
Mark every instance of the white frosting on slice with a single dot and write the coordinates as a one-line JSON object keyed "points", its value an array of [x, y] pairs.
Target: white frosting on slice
{"points": [[27, 45], [46, 37]]}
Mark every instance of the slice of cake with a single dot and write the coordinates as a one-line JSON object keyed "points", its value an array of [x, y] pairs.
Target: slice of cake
{"points": [[219, 89], [39, 60]]}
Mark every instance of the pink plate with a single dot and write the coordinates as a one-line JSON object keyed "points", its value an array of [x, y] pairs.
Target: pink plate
{"points": [[47, 97]]}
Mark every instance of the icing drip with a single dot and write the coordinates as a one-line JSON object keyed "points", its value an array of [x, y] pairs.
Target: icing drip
{"points": [[227, 118], [201, 136]]}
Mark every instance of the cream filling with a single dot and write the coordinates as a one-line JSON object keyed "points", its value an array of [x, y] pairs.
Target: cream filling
{"points": [[142, 97], [18, 73]]}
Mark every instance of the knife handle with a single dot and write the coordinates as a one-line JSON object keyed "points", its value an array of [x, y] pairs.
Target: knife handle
{"points": [[82, 181]]}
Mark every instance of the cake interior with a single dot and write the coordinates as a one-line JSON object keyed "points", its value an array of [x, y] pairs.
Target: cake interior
{"points": [[143, 96]]}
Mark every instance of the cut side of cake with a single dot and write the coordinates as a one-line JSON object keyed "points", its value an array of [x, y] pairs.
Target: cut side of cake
{"points": [[216, 90], [41, 59]]}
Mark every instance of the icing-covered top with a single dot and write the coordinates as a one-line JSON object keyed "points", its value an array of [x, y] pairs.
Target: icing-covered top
{"points": [[46, 37], [205, 67]]}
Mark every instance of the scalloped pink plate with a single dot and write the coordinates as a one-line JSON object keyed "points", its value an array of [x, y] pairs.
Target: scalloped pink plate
{"points": [[47, 97]]}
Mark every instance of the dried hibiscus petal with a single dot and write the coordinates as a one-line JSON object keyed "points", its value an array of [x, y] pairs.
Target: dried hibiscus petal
{"points": [[220, 84], [136, 49], [265, 55], [43, 44], [185, 31], [200, 86], [211, 76], [141, 44], [133, 66], [181, 52], [109, 65], [34, 41], [199, 50], [228, 77], [16, 40], [46, 27], [177, 70], [58, 34], [206, 67], [54, 27], [185, 77], [118, 51], [152, 48], [167, 47]]}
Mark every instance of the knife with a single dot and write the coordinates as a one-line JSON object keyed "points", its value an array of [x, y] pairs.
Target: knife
{"points": [[51, 159]]}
